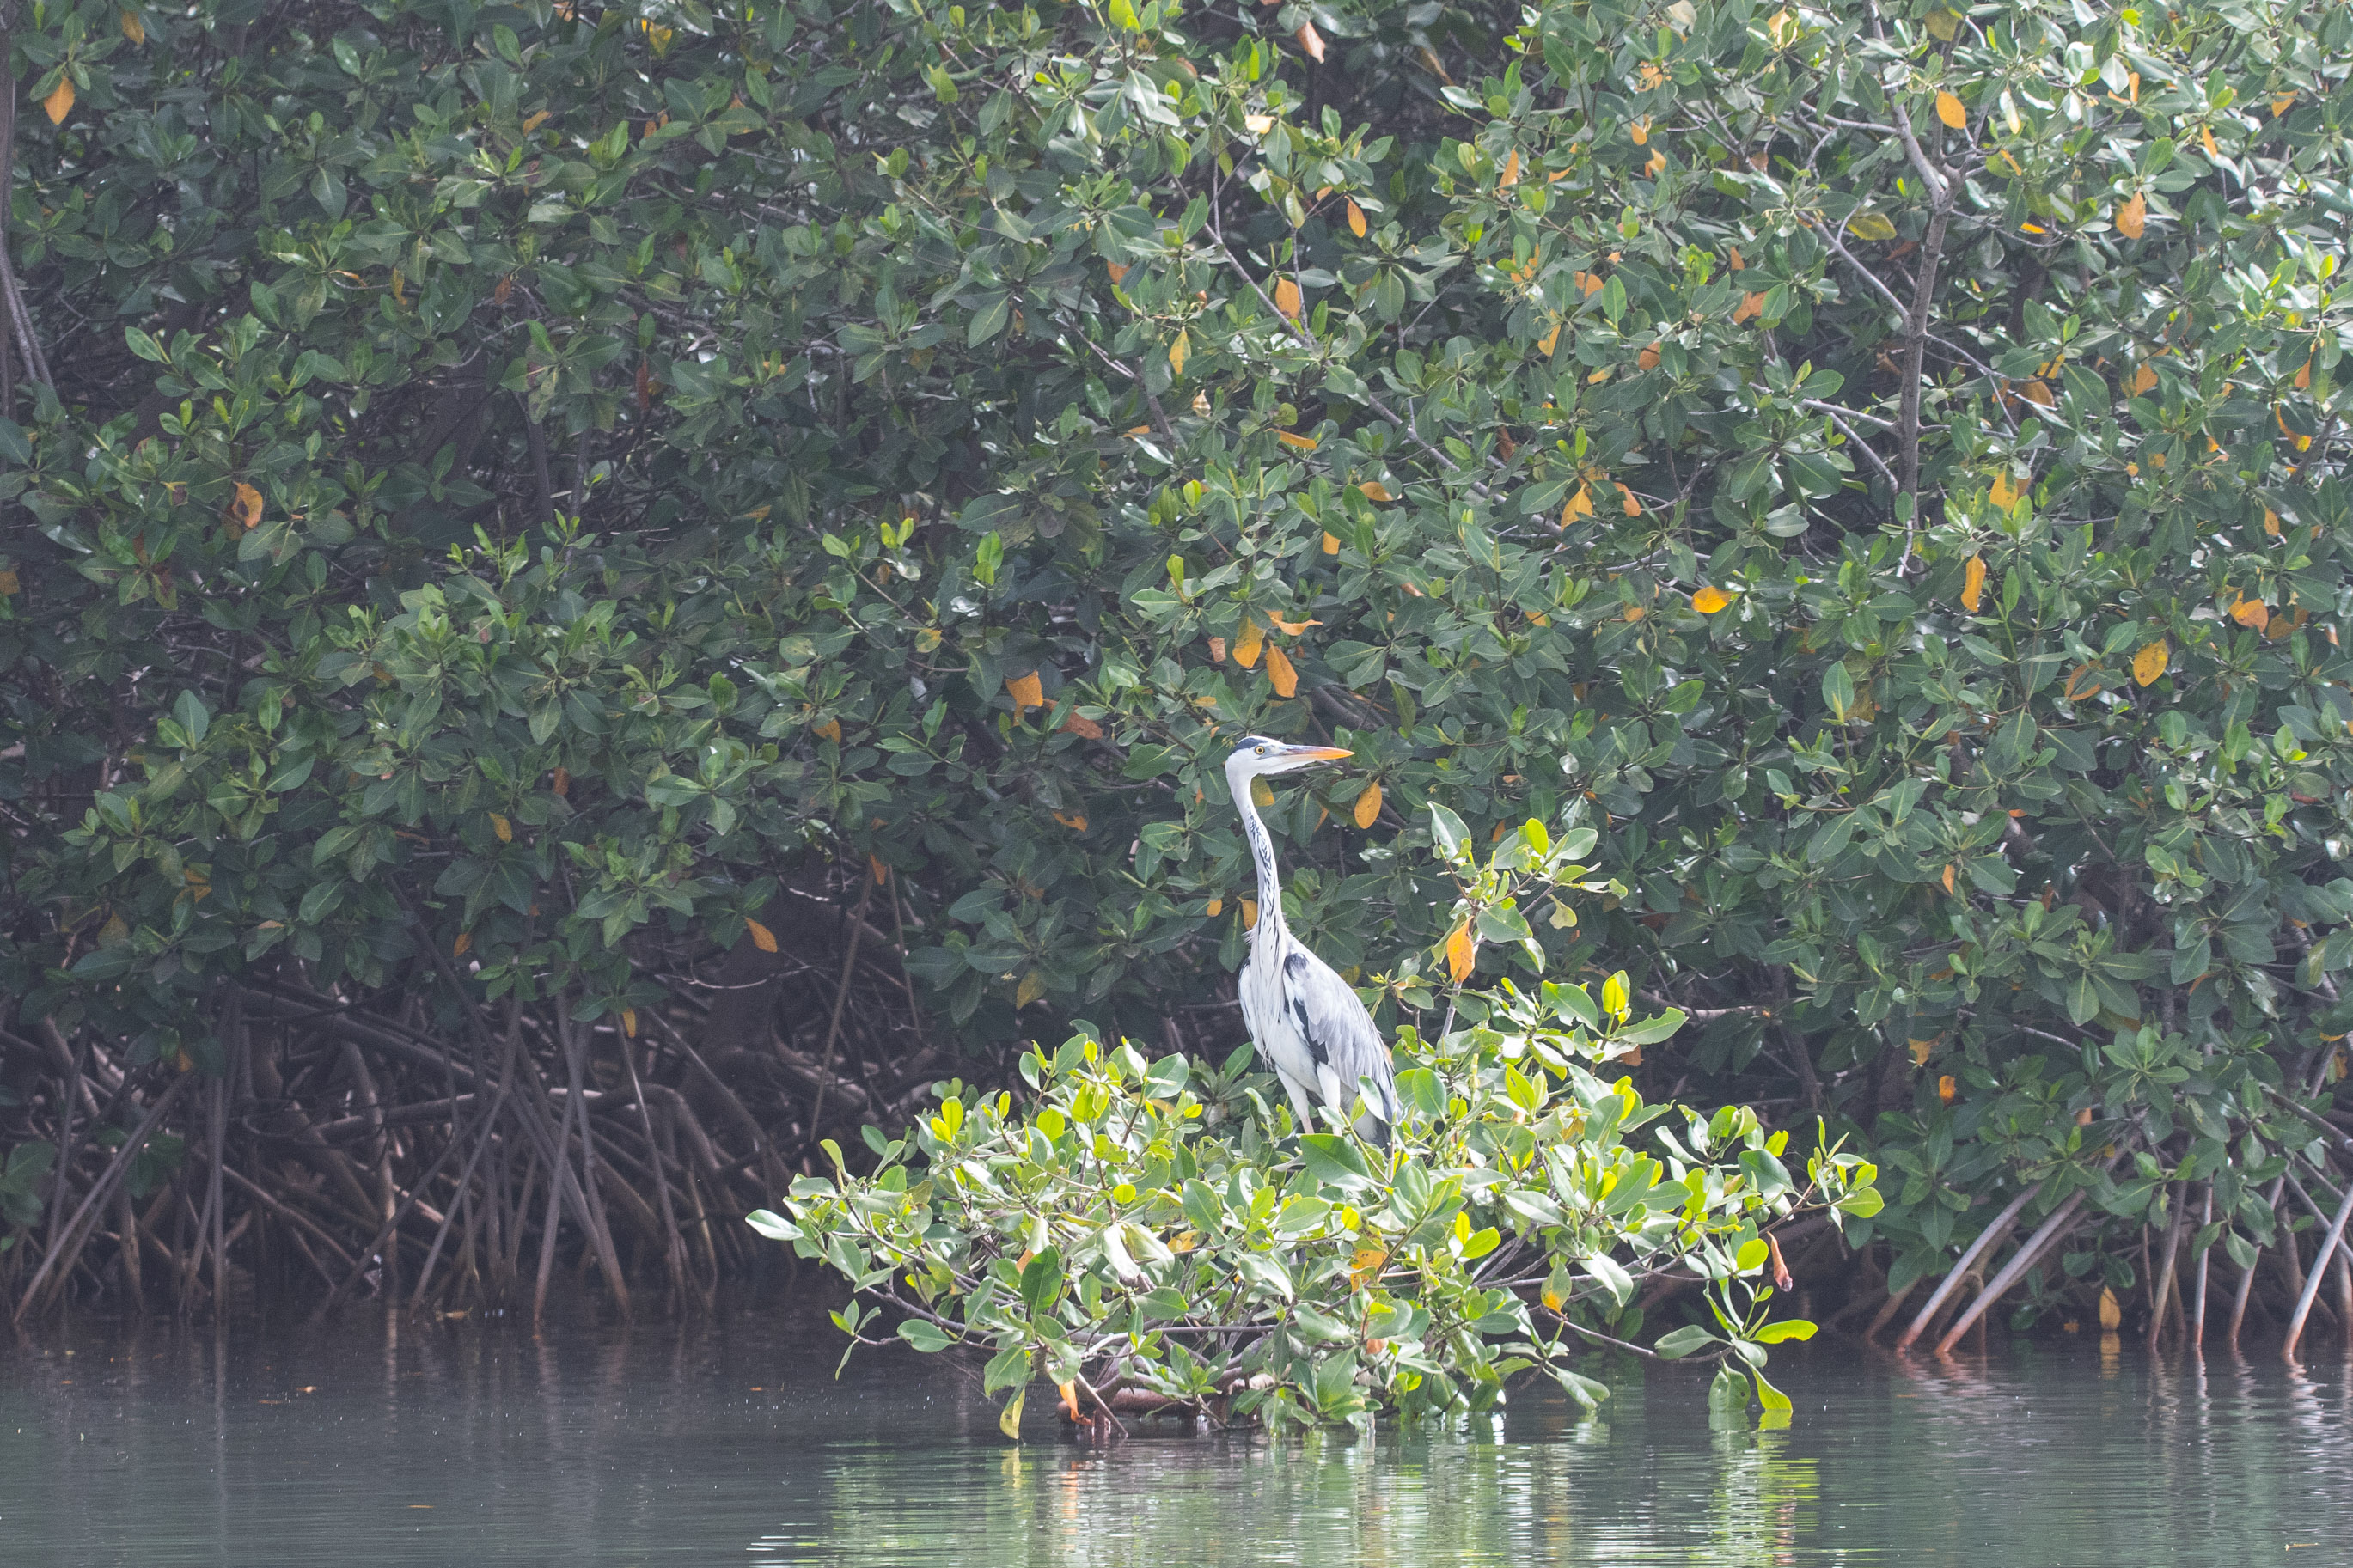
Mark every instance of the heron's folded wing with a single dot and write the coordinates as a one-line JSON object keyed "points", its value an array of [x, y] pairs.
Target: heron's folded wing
{"points": [[1340, 1033]]}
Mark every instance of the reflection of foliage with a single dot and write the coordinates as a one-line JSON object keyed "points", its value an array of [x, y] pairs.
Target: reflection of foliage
{"points": [[1133, 1229]]}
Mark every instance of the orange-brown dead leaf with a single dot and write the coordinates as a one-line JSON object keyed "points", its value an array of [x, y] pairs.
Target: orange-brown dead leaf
{"points": [[1279, 670], [1460, 951]]}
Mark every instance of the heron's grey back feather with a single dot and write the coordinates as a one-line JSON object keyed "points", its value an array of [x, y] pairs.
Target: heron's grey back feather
{"points": [[1313, 1029]]}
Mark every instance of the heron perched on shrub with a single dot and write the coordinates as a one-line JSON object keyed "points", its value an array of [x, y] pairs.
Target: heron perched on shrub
{"points": [[1308, 1022]]}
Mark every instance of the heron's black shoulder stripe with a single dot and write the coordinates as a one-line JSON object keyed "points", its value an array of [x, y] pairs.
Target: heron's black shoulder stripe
{"points": [[1295, 961]]}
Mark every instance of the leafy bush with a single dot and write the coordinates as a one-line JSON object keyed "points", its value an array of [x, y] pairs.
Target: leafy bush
{"points": [[552, 479], [1145, 1227]]}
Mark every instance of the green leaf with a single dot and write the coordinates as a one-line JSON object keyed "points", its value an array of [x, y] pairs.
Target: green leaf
{"points": [[1788, 1329], [1333, 1159], [1682, 1342]]}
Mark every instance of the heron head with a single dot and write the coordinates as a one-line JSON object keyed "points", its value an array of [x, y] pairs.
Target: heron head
{"points": [[1258, 756]]}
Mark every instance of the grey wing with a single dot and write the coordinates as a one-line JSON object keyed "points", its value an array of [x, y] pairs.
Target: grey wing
{"points": [[1340, 1034]]}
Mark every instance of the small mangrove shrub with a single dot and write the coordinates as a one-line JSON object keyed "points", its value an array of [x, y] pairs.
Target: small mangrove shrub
{"points": [[1157, 1236]]}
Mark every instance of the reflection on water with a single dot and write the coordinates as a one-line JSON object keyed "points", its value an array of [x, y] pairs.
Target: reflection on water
{"points": [[372, 1441]]}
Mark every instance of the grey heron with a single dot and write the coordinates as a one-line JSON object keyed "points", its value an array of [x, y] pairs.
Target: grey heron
{"points": [[1308, 1022]]}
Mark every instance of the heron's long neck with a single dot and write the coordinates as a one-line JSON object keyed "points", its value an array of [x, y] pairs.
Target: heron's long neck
{"points": [[1261, 847]]}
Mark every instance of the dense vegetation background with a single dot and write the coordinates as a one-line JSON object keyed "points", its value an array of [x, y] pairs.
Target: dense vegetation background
{"points": [[594, 595]]}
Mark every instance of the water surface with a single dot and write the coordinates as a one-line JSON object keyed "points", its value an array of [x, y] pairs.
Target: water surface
{"points": [[376, 1441]]}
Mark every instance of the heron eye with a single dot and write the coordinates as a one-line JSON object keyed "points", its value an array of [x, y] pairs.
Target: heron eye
{"points": [[1261, 750]]}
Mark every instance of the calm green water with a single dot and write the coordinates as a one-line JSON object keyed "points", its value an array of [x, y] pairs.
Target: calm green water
{"points": [[371, 1442]]}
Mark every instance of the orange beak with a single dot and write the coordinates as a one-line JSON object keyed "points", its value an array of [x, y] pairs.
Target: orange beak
{"points": [[1319, 753]]}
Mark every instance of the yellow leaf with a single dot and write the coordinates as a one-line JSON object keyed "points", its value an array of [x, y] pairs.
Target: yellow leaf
{"points": [[1656, 166], [1550, 341], [535, 122], [2076, 691], [1579, 505], [60, 101], [2132, 216], [1217, 907], [1364, 1267], [1355, 220], [503, 828], [2143, 378], [1640, 131], [1942, 26], [2281, 104], [1973, 584], [1945, 1088], [629, 1022], [1586, 283], [830, 729], [1290, 628], [247, 508], [761, 937], [1709, 600], [2005, 494], [2251, 613], [2039, 395], [1373, 489], [1008, 1420], [1510, 169], [1286, 297], [9, 584], [1026, 692], [1948, 877], [1279, 670], [457, 948], [1920, 1050], [2271, 523], [2112, 1312], [1460, 949], [133, 28], [1302, 442], [882, 873], [1949, 110], [2206, 134], [1368, 804], [1178, 351], [1032, 986], [1871, 225], [2149, 662], [1734, 261], [1247, 645], [1311, 40], [1250, 908], [1626, 501], [1331, 544], [2303, 377], [1075, 821], [1261, 794]]}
